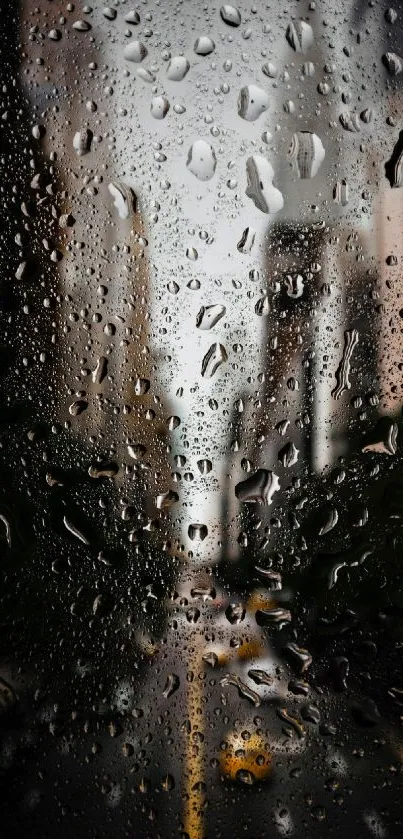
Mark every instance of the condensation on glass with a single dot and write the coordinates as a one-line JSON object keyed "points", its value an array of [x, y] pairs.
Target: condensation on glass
{"points": [[201, 389]]}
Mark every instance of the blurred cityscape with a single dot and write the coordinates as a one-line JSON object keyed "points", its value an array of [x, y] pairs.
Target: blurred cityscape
{"points": [[202, 491]]}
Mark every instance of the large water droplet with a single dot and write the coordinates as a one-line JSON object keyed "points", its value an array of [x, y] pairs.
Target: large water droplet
{"points": [[214, 358], [201, 160], [208, 316], [259, 487], [260, 189]]}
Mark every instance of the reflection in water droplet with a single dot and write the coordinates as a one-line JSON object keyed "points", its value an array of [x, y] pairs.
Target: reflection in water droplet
{"points": [[141, 386], [171, 685], [204, 45], [197, 532], [177, 69], [259, 487], [173, 422], [82, 141], [244, 690], [393, 166], [100, 371], [383, 438], [272, 617], [307, 152], [133, 18], [135, 51], [214, 358], [252, 102], [159, 107], [260, 189], [235, 613], [343, 371], [299, 35], [393, 63], [201, 160], [166, 500], [301, 658], [81, 26], [230, 15], [245, 776], [247, 240], [341, 192], [209, 316], [124, 199], [204, 466]]}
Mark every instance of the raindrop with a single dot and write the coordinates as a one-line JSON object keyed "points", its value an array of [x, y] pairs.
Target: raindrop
{"points": [[300, 657], [262, 306], [259, 487], [201, 160], [252, 102], [159, 107], [166, 500], [54, 34], [343, 371], [124, 199], [141, 386], [269, 69], [260, 189], [235, 613], [307, 152], [383, 439], [135, 51], [247, 240], [350, 121], [177, 68], [204, 45], [82, 142], [103, 470], [271, 578], [393, 63], [299, 36], [341, 192], [8, 697], [393, 167], [81, 26], [75, 531], [276, 616], [132, 18], [328, 519], [230, 15], [288, 455], [109, 13], [173, 422], [145, 75], [208, 316], [204, 466], [197, 532], [260, 677], [171, 685], [214, 358], [78, 407], [244, 690]]}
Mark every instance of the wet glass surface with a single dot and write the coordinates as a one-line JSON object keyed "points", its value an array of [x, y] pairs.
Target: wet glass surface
{"points": [[201, 362]]}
